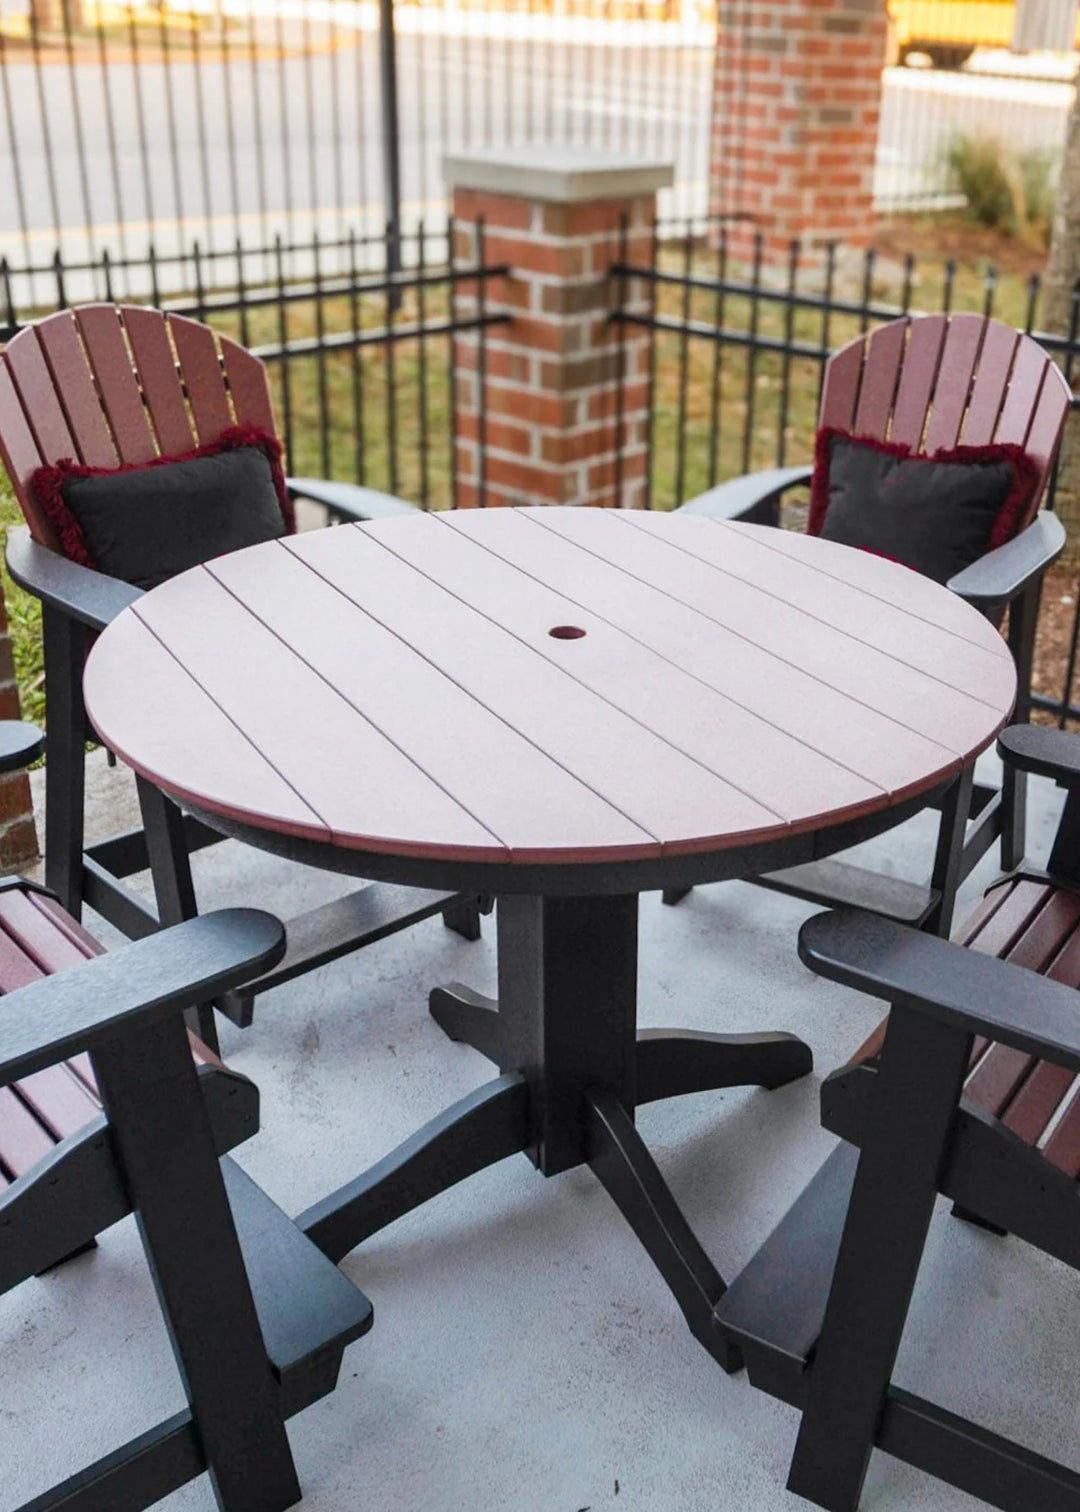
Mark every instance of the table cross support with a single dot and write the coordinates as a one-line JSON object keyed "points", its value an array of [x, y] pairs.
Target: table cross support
{"points": [[573, 1069]]}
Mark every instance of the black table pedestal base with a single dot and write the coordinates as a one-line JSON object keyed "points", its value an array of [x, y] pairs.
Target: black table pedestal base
{"points": [[573, 1069]]}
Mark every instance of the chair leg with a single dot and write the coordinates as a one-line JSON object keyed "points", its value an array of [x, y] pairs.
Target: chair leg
{"points": [[948, 859], [65, 764], [923, 1065], [1014, 790], [463, 917], [170, 867], [1023, 627], [162, 1136]]}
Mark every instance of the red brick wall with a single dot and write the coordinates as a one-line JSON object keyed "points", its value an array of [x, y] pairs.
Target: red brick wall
{"points": [[797, 97], [552, 371]]}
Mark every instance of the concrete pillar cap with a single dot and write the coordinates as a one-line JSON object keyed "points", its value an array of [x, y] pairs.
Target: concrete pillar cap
{"points": [[562, 174]]}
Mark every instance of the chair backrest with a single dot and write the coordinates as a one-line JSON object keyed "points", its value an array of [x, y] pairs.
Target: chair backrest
{"points": [[111, 384], [933, 381]]}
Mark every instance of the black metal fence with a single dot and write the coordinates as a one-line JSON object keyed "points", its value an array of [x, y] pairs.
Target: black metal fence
{"points": [[738, 348], [241, 120], [361, 356]]}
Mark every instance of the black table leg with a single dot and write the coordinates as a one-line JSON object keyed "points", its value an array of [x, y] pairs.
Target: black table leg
{"points": [[475, 1132], [468, 1018], [618, 1156], [563, 1033], [170, 868], [674, 1062]]}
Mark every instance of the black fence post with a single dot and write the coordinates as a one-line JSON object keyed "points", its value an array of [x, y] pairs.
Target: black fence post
{"points": [[391, 142]]}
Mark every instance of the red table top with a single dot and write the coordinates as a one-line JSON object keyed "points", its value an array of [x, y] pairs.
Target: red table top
{"points": [[396, 688]]}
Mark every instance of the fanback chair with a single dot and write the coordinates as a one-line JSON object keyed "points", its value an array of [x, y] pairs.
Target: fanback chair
{"points": [[935, 382], [969, 1089], [114, 386]]}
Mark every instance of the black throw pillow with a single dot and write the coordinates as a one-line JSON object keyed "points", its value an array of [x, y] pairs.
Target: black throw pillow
{"points": [[146, 524], [936, 514]]}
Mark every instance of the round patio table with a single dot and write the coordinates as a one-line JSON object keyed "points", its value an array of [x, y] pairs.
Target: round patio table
{"points": [[563, 708]]}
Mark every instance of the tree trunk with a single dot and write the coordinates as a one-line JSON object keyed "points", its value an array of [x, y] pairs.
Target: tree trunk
{"points": [[1062, 274]]}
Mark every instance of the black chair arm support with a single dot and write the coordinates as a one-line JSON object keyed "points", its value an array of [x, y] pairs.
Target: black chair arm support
{"points": [[743, 498], [1043, 751], [78, 592], [948, 983], [1003, 574], [20, 744], [350, 501], [60, 1016]]}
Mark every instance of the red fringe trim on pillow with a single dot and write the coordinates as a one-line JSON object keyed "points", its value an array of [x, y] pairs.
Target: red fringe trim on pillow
{"points": [[1014, 508], [48, 483]]}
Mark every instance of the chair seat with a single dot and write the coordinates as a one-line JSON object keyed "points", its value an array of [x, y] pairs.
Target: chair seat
{"points": [[773, 1310], [37, 938], [59, 1187], [1033, 923]]}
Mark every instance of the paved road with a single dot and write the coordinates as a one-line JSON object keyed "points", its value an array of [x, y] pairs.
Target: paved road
{"points": [[250, 148], [246, 149]]}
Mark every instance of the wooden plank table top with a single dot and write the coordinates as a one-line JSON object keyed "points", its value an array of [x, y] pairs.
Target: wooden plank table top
{"points": [[547, 688]]}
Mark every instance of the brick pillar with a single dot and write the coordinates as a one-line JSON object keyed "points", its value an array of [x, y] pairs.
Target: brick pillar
{"points": [[796, 103], [550, 419], [18, 836]]}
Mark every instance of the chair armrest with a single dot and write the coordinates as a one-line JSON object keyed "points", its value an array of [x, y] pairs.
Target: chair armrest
{"points": [[20, 744], [1043, 751], [946, 982], [82, 594], [747, 498], [60, 1016], [349, 501], [1001, 575]]}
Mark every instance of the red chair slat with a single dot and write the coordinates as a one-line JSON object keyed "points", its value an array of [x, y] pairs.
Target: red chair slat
{"points": [[23, 1140], [989, 904], [958, 359], [840, 391], [203, 380], [156, 363], [1037, 1101], [1041, 942], [34, 933], [81, 938], [41, 403], [21, 457], [997, 1078], [110, 359], [1062, 1149], [59, 1100], [991, 380], [82, 1067], [1001, 1072], [921, 357], [1047, 423], [1039, 1098], [881, 373], [17, 968], [248, 386], [59, 338], [999, 932], [1025, 385]]}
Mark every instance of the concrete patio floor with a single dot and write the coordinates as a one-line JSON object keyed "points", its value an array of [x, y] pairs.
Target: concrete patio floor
{"points": [[525, 1355]]}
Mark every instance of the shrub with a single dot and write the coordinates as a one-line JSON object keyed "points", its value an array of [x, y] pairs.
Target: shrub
{"points": [[1010, 191]]}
